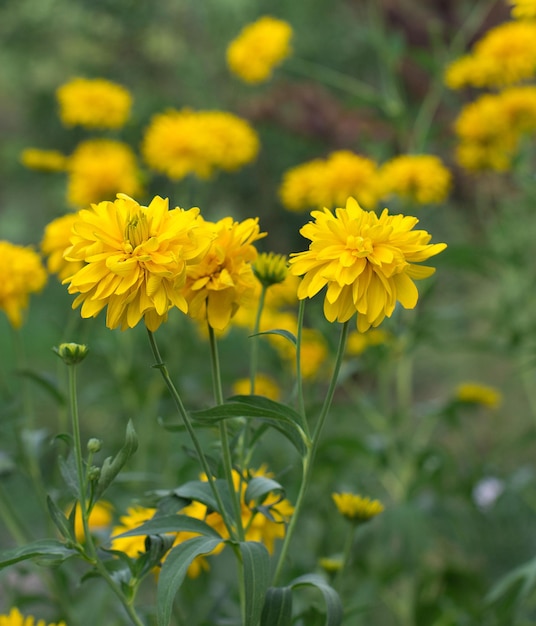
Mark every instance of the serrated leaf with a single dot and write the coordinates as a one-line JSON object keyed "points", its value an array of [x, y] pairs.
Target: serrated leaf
{"points": [[174, 570], [256, 563], [45, 549], [281, 332], [112, 466], [334, 612], [171, 524], [60, 520], [259, 487], [277, 609]]}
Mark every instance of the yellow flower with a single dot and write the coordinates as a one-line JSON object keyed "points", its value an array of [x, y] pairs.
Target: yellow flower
{"points": [[331, 565], [93, 103], [367, 262], [523, 9], [135, 259], [475, 393], [131, 546], [270, 269], [44, 160], [357, 508], [55, 241], [99, 169], [264, 386], [15, 618], [359, 342], [421, 178], [100, 519], [178, 143], [223, 280], [259, 48], [21, 273]]}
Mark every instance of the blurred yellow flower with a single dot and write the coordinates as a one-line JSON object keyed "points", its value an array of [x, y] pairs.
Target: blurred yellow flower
{"points": [[15, 618], [135, 259], [178, 143], [55, 241], [93, 103], [367, 262], [359, 342], [44, 160], [523, 9], [100, 519], [331, 565], [421, 178], [475, 393], [21, 273], [357, 508], [259, 48], [263, 386], [99, 169], [223, 279], [135, 516]]}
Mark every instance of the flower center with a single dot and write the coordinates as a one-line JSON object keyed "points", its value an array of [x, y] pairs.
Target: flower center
{"points": [[137, 230], [359, 246]]}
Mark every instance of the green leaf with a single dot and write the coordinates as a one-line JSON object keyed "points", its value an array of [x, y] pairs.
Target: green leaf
{"points": [[60, 520], [256, 563], [171, 524], [111, 467], [277, 609], [524, 575], [334, 611], [174, 570], [259, 487], [69, 474], [48, 550], [46, 382], [281, 332], [201, 491]]}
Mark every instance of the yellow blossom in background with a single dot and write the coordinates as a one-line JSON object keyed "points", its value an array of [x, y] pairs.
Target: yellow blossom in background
{"points": [[93, 103], [223, 280], [357, 508], [100, 519], [56, 240], [135, 545], [21, 273], [16, 618], [475, 393], [259, 48], [420, 178], [263, 386], [327, 183], [270, 268], [523, 9], [366, 261], [331, 565], [99, 169], [43, 160], [135, 259], [179, 143], [504, 56], [358, 342]]}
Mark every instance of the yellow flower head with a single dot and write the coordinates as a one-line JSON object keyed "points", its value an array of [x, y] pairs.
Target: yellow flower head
{"points": [[223, 280], [179, 143], [421, 178], [263, 386], [523, 9], [135, 259], [15, 618], [21, 273], [366, 261], [259, 48], [357, 508], [93, 103], [475, 393], [131, 546], [44, 160], [100, 519], [99, 169], [270, 269], [56, 240]]}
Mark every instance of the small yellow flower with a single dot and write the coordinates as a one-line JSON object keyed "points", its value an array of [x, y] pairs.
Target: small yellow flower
{"points": [[21, 273], [331, 565], [367, 262], [263, 386], [93, 103], [270, 269], [44, 160], [475, 393], [100, 520], [357, 508], [15, 618], [523, 9], [259, 48], [55, 241]]}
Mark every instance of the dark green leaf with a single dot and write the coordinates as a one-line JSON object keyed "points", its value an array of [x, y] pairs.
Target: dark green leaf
{"points": [[201, 491], [44, 549], [334, 611], [256, 563], [281, 332], [277, 610], [524, 576], [63, 524], [259, 487], [46, 382], [171, 524], [111, 467], [69, 474]]}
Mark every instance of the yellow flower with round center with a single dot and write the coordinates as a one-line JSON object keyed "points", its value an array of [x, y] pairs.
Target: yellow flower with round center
{"points": [[16, 618], [99, 169], [21, 273], [93, 103], [366, 261], [263, 386], [223, 280], [421, 178], [476, 393], [44, 160], [357, 508], [259, 48], [523, 9], [135, 259], [56, 240]]}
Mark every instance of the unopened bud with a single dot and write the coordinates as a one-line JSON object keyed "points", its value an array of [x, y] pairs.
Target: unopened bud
{"points": [[94, 445], [71, 353], [94, 473], [270, 268]]}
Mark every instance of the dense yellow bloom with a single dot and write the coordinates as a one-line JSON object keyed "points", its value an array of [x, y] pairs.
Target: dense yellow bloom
{"points": [[135, 259], [259, 48], [420, 178], [15, 618], [44, 160], [475, 393], [367, 262], [55, 241], [223, 280], [270, 268], [21, 273], [100, 519], [263, 386], [328, 183], [523, 9], [357, 508], [99, 169], [504, 56], [178, 143], [93, 103]]}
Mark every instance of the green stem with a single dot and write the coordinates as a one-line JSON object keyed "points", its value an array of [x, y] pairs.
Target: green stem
{"points": [[299, 378], [255, 341], [346, 555]]}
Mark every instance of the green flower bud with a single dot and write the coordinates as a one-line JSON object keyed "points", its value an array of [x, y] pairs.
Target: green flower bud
{"points": [[71, 353], [270, 268], [94, 473], [94, 445]]}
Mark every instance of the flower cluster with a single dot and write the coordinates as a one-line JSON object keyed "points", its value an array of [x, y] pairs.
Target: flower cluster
{"points": [[178, 143], [259, 48]]}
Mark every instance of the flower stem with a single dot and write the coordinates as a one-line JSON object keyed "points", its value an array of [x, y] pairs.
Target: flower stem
{"points": [[254, 363]]}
